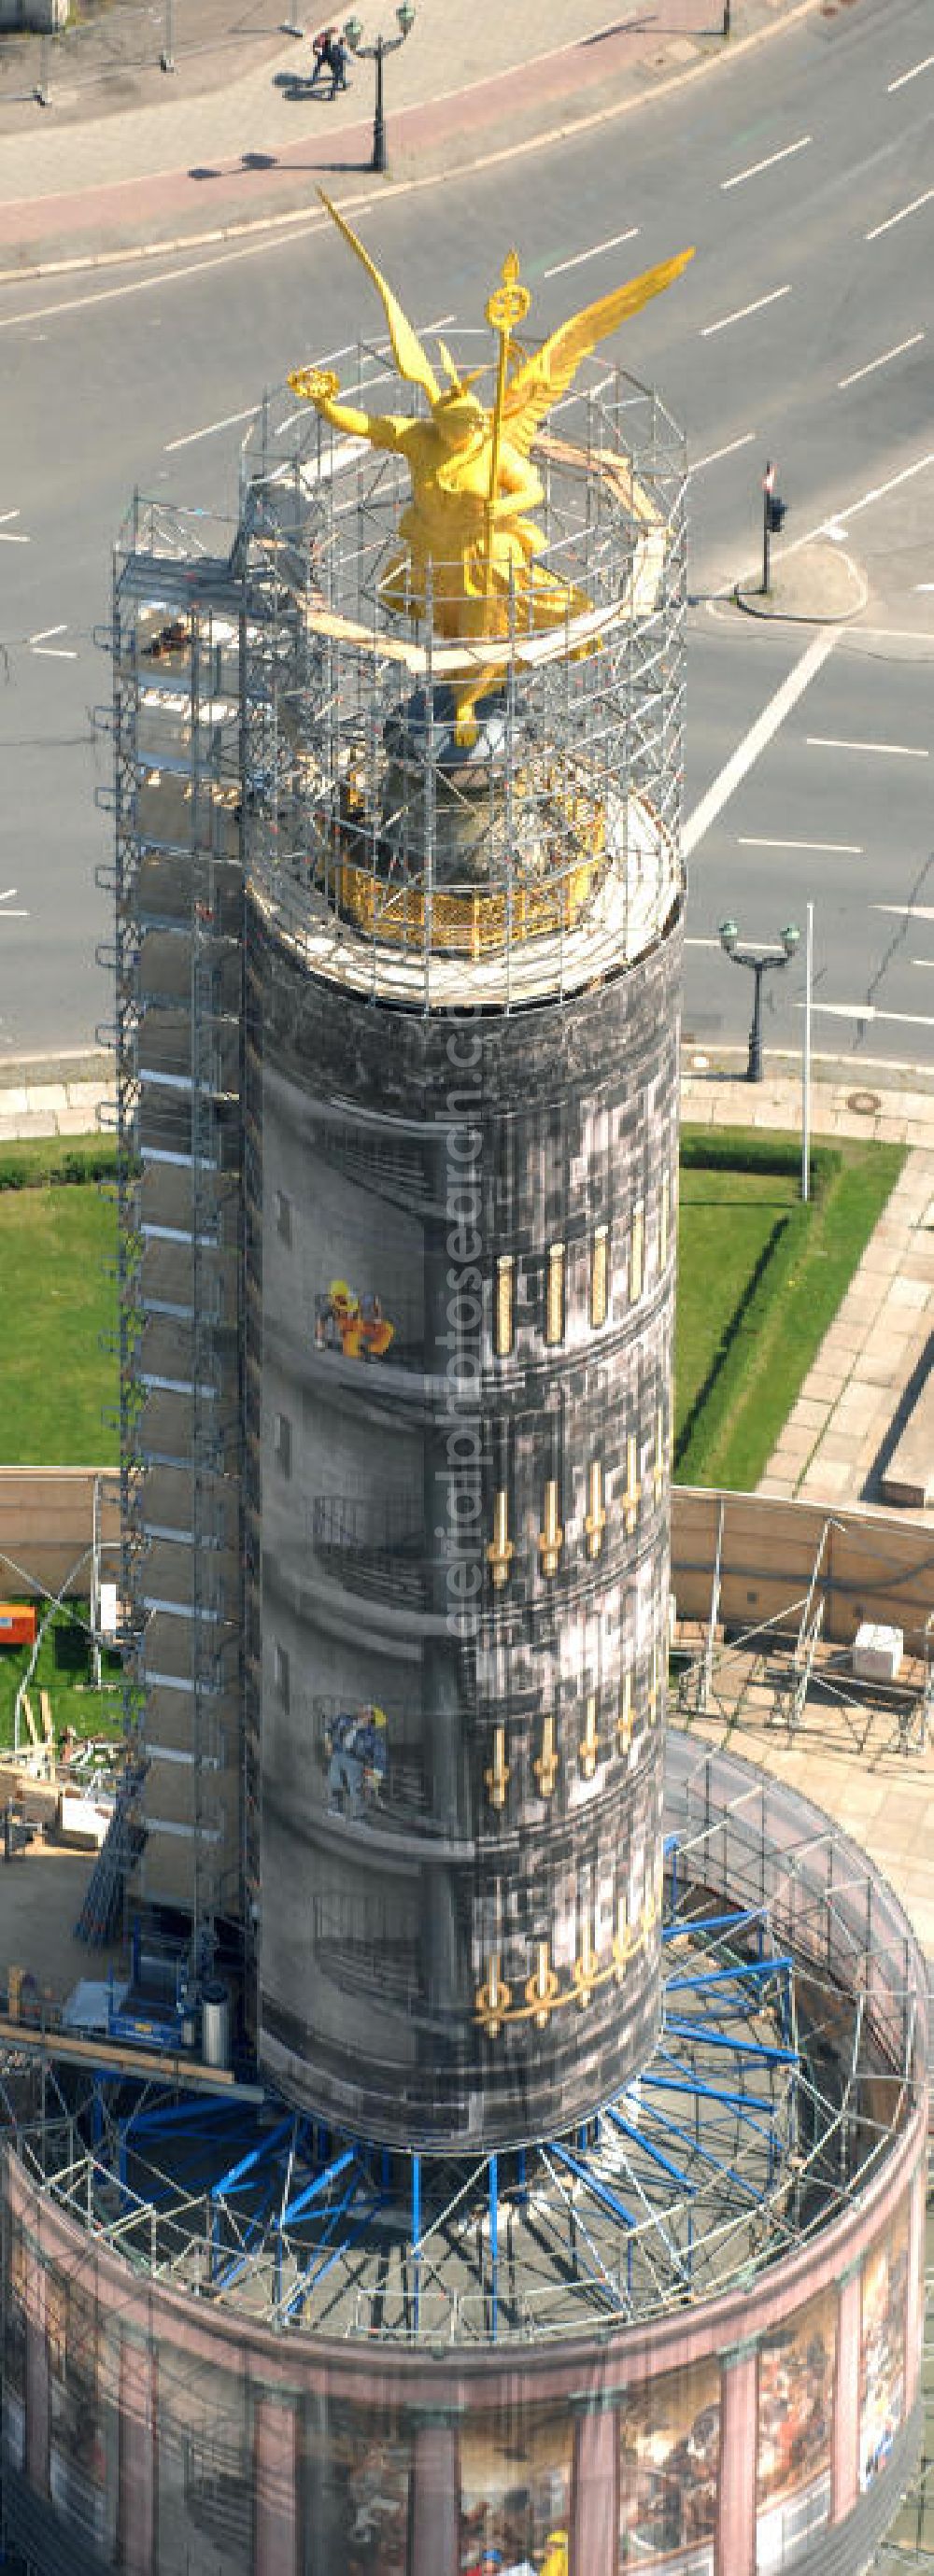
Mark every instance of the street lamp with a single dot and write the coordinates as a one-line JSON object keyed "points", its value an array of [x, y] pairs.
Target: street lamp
{"points": [[376, 53], [760, 961]]}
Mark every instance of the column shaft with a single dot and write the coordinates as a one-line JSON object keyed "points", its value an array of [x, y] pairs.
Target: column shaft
{"points": [[594, 2484], [844, 2458], [275, 2472], [436, 2502], [136, 2519], [37, 2382], [736, 2500], [914, 2304]]}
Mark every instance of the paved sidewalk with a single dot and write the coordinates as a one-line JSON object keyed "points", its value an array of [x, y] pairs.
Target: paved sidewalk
{"points": [[873, 1353], [110, 55], [837, 1433], [193, 165], [53, 1099]]}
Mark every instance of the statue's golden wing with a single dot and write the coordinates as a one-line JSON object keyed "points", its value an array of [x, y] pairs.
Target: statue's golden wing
{"points": [[543, 377], [411, 359]]}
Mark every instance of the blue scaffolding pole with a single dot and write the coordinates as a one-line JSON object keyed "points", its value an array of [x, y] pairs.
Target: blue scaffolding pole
{"points": [[755, 2048], [293, 2194]]}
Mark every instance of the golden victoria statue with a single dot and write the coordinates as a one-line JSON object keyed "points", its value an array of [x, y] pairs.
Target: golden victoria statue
{"points": [[470, 558]]}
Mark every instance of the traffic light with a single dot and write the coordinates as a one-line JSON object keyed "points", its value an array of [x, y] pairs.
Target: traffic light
{"points": [[773, 513]]}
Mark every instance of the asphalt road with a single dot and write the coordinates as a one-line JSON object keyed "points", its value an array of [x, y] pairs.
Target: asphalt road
{"points": [[803, 331], [815, 817]]}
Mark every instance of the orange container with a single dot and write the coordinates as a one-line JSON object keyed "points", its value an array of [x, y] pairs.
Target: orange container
{"points": [[17, 1624]]}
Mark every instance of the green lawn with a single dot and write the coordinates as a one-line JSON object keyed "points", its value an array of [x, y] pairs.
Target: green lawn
{"points": [[56, 1301], [63, 1668], [731, 1224], [761, 1278]]}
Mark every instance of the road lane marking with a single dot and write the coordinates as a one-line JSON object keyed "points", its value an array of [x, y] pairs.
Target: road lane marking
{"points": [[840, 518], [895, 634], [879, 491], [756, 739], [562, 265], [897, 352], [717, 452], [868, 1011], [743, 310], [702, 943], [165, 276], [54, 653], [921, 961], [899, 218], [9, 514], [910, 75], [838, 742], [231, 421], [7, 898], [924, 585], [43, 633], [755, 166], [844, 849], [8, 539], [907, 911]]}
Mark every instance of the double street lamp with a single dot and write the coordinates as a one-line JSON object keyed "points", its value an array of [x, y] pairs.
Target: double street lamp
{"points": [[376, 53], [760, 961]]}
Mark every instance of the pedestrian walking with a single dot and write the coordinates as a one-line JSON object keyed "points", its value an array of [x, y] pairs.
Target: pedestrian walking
{"points": [[337, 57], [319, 47]]}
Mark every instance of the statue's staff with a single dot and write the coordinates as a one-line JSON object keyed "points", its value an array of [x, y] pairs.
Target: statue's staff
{"points": [[508, 305]]}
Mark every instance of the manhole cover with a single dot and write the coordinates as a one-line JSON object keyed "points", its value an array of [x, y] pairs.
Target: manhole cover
{"points": [[863, 1103]]}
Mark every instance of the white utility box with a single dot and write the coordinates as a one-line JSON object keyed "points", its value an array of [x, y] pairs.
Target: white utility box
{"points": [[107, 1610], [877, 1653], [83, 1820]]}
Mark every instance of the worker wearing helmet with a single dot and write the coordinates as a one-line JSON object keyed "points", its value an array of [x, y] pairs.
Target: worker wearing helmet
{"points": [[356, 1742], [555, 2561], [358, 1323], [345, 1308]]}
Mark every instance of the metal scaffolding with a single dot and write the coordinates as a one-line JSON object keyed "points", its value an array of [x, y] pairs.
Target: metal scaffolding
{"points": [[177, 884], [279, 723], [382, 849], [790, 2058], [784, 1676], [265, 733]]}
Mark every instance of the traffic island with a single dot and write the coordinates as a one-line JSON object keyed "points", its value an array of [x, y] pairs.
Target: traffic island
{"points": [[817, 585]]}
